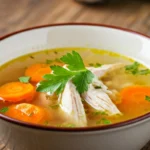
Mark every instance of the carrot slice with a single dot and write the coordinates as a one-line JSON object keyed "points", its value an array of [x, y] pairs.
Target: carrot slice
{"points": [[28, 113], [16, 92], [134, 99], [37, 71]]}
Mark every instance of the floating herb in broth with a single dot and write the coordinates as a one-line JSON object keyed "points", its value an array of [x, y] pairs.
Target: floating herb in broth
{"points": [[62, 88]]}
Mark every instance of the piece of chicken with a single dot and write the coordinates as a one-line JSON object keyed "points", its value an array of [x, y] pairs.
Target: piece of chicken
{"points": [[71, 104], [99, 100], [97, 94], [101, 71]]}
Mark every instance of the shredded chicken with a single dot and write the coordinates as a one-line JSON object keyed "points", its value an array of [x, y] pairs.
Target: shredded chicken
{"points": [[101, 71], [71, 104], [99, 98]]}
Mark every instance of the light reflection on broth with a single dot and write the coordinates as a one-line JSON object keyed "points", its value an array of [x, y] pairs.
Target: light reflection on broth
{"points": [[115, 81]]}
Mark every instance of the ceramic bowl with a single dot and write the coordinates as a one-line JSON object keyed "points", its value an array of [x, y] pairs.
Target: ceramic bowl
{"points": [[129, 135]]}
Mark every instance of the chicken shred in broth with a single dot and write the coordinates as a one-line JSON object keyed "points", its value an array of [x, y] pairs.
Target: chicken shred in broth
{"points": [[112, 89]]}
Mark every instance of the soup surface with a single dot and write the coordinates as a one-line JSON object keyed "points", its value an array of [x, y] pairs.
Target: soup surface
{"points": [[106, 88]]}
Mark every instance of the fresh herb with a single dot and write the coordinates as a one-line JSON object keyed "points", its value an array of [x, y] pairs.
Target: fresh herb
{"points": [[98, 87], [69, 125], [54, 106], [147, 98], [106, 121], [76, 71], [4, 110], [103, 121], [82, 79], [96, 113], [143, 72], [32, 57], [24, 79], [48, 61], [134, 69], [95, 65], [91, 64], [58, 60]]}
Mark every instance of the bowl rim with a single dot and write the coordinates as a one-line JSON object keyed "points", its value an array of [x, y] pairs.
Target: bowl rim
{"points": [[79, 129]]}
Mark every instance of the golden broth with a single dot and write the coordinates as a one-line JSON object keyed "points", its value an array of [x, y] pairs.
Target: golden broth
{"points": [[115, 81]]}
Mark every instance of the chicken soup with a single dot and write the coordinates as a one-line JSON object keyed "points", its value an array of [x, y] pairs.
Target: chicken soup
{"points": [[74, 87]]}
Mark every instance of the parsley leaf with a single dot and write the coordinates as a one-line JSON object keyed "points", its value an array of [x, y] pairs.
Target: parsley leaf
{"points": [[74, 61], [82, 80], [48, 61], [143, 72], [98, 87], [147, 98], [134, 69], [24, 79], [55, 84], [103, 121], [4, 110], [68, 125], [106, 121], [95, 65], [96, 113], [54, 106], [76, 71]]}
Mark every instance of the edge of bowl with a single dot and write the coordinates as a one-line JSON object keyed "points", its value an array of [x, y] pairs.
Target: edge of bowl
{"points": [[80, 129]]}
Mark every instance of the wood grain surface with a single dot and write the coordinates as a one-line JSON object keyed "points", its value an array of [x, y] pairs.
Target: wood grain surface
{"points": [[19, 14]]}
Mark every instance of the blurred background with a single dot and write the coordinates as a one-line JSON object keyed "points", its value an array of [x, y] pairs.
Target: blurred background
{"points": [[19, 14]]}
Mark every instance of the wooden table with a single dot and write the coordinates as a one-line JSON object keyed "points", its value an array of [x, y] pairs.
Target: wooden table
{"points": [[19, 14]]}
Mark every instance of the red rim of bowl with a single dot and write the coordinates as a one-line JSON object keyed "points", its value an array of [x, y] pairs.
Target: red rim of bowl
{"points": [[80, 129]]}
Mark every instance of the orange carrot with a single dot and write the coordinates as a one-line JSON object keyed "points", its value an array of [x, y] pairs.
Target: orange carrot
{"points": [[37, 71], [28, 113], [16, 92], [134, 99]]}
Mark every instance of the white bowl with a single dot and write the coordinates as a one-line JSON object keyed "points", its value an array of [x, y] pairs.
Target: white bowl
{"points": [[129, 135]]}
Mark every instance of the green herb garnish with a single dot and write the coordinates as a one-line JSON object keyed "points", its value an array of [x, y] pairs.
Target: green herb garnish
{"points": [[147, 98], [24, 79], [134, 69], [96, 113], [106, 121], [58, 60], [48, 61], [98, 87], [54, 106], [4, 110], [95, 65], [103, 121], [69, 125], [55, 52], [76, 71], [32, 57]]}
